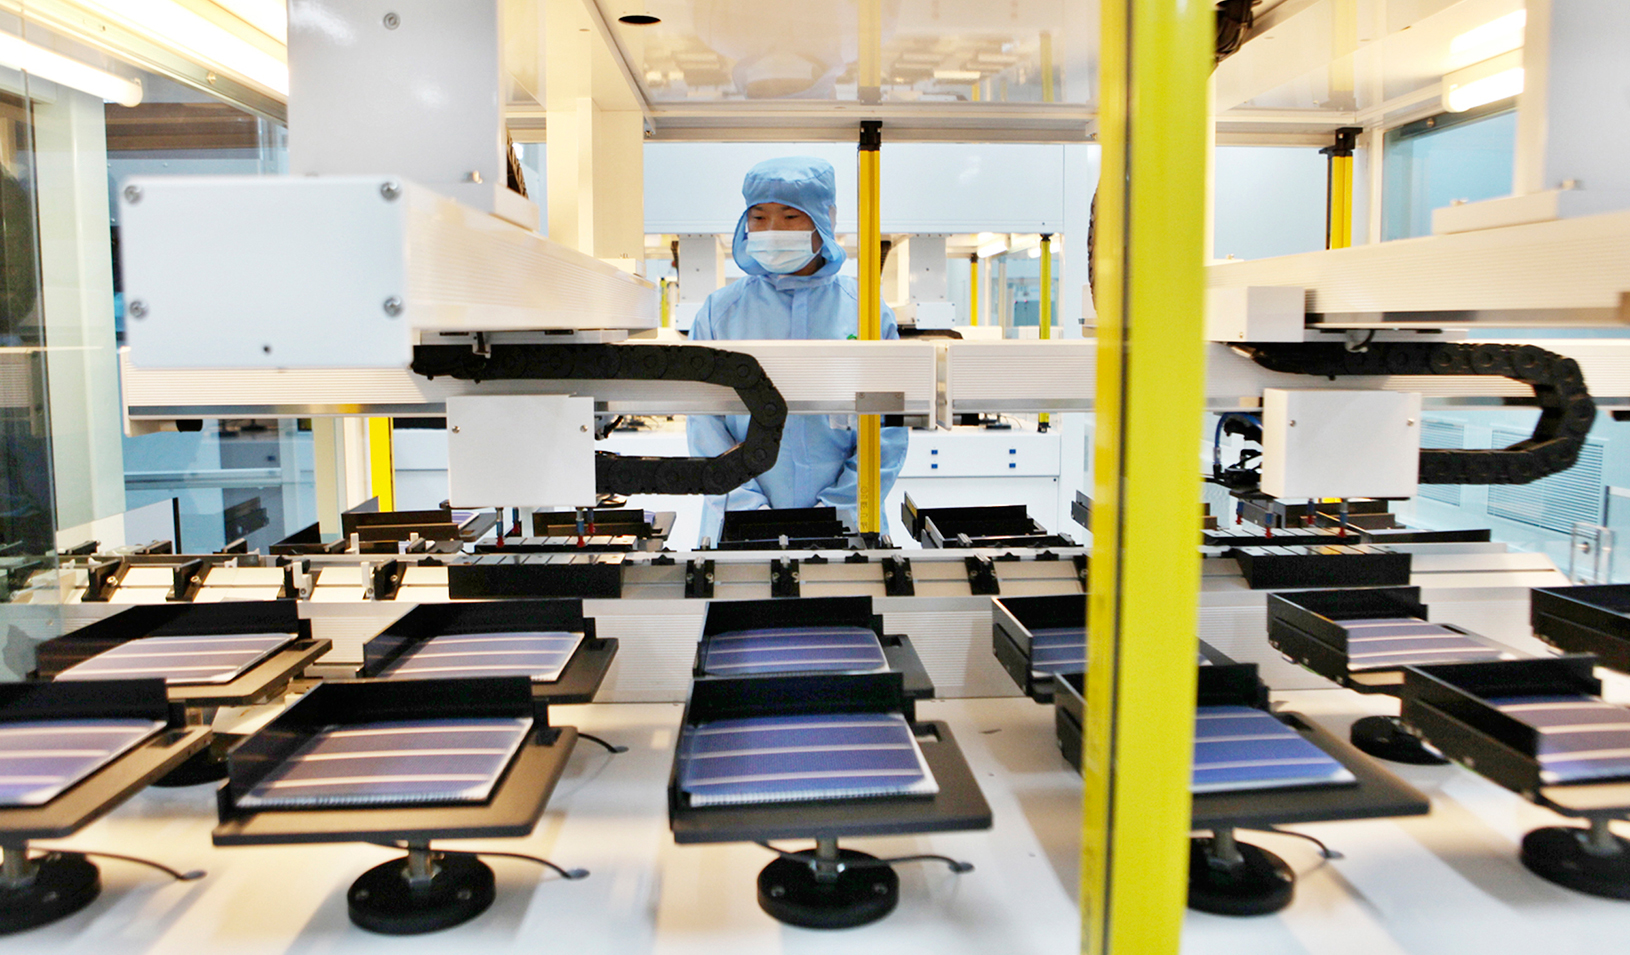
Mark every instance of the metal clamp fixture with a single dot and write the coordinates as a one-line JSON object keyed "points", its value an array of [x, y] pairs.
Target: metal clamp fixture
{"points": [[1566, 408], [616, 474]]}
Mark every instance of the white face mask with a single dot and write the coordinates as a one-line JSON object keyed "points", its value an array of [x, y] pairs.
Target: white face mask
{"points": [[781, 252]]}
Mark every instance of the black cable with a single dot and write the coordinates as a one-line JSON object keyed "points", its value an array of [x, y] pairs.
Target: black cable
{"points": [[1324, 850], [191, 875], [808, 856], [572, 874], [610, 748]]}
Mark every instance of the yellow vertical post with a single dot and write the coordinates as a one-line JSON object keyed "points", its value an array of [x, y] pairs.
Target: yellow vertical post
{"points": [[382, 462], [973, 289], [1339, 189], [1046, 67], [868, 498], [869, 66], [1155, 58], [666, 306], [1046, 311]]}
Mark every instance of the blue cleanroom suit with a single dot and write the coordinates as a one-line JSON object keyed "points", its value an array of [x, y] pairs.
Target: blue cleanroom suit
{"points": [[819, 453]]}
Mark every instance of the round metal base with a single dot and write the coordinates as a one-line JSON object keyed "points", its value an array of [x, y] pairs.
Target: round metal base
{"points": [[1385, 738], [381, 899], [1560, 854], [1257, 885], [788, 892], [64, 883]]}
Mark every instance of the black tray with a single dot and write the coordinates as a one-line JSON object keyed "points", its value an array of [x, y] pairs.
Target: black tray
{"points": [[1591, 619]]}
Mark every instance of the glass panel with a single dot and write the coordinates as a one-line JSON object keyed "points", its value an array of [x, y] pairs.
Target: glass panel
{"points": [[1436, 162], [720, 50]]}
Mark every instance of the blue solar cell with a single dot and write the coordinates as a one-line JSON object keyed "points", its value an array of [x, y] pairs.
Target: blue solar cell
{"points": [[793, 650], [402, 762], [181, 660], [1388, 643], [39, 760], [1058, 649], [538, 655], [1582, 738], [796, 758], [1239, 748]]}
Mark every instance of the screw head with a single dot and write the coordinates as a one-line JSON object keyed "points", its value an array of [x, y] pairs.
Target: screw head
{"points": [[464, 895], [393, 306], [582, 427], [361, 895], [266, 349], [777, 891], [390, 189], [472, 176], [137, 308], [392, 21], [454, 429], [132, 194], [210, 78]]}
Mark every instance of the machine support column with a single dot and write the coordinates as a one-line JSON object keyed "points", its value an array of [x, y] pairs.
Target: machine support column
{"points": [[1144, 585], [382, 462], [973, 289], [1045, 312], [1338, 218], [868, 495]]}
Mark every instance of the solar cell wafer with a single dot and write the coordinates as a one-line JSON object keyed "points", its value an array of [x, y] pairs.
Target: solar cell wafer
{"points": [[793, 650], [405, 762], [1058, 649], [1240, 747], [1581, 738], [795, 758], [39, 760], [538, 655], [1389, 643], [180, 660]]}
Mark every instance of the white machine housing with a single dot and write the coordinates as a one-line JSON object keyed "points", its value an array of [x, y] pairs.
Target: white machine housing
{"points": [[1330, 443], [342, 271], [520, 451]]}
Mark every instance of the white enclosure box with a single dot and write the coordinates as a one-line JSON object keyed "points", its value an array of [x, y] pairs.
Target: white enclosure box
{"points": [[342, 272], [1255, 313], [1327, 443], [520, 451]]}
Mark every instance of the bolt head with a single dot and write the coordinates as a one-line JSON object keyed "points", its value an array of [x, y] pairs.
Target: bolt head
{"points": [[137, 308], [390, 189], [393, 306], [777, 891], [454, 429], [132, 194], [464, 895], [361, 895], [582, 427], [392, 21]]}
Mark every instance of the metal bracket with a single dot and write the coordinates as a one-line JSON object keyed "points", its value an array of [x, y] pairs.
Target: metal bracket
{"points": [[982, 576], [784, 577], [699, 580], [897, 580]]}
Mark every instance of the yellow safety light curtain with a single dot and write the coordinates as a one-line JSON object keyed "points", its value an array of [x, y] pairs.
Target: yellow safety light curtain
{"points": [[973, 289], [1144, 586], [1338, 217], [868, 499], [382, 462], [1046, 330]]}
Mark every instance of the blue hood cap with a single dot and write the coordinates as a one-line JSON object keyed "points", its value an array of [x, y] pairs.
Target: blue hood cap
{"points": [[807, 184]]}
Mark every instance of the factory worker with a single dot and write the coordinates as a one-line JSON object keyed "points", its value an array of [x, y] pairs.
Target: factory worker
{"points": [[784, 243]]}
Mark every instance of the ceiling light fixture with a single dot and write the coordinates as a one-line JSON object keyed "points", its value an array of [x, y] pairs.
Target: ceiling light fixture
{"points": [[19, 54], [1494, 79]]}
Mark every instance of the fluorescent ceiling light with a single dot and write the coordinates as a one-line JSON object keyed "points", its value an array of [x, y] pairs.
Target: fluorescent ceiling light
{"points": [[996, 247], [19, 54], [1035, 252], [173, 26], [1491, 39], [965, 76], [1494, 79], [270, 17]]}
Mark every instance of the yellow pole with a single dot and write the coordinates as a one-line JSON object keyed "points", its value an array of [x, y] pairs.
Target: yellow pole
{"points": [[382, 462], [1339, 189], [1155, 59], [1046, 67], [1046, 311], [666, 286], [868, 498], [973, 289]]}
